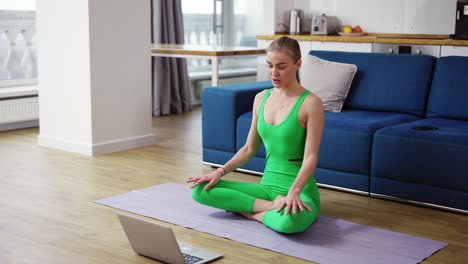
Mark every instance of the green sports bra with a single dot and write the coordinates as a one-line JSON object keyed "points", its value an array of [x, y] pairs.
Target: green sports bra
{"points": [[284, 142]]}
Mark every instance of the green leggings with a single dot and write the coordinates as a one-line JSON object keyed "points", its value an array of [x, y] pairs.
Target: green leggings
{"points": [[239, 197]]}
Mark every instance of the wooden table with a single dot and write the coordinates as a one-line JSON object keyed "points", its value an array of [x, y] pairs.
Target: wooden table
{"points": [[214, 53]]}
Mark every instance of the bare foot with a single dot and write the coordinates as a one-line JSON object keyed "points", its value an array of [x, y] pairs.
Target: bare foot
{"points": [[278, 201], [246, 215], [254, 216]]}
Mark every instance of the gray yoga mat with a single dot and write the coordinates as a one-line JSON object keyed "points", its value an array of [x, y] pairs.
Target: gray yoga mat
{"points": [[327, 241]]}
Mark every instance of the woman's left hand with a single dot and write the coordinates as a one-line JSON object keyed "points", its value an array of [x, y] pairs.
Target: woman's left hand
{"points": [[293, 201]]}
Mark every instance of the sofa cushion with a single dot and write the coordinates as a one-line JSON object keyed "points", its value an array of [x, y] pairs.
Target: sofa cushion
{"points": [[222, 106], [242, 131], [328, 80], [437, 158], [449, 91], [353, 181], [347, 138], [419, 192], [386, 82]]}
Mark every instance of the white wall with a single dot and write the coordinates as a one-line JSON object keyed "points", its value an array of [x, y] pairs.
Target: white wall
{"points": [[382, 16], [120, 69], [268, 25], [64, 72], [94, 74]]}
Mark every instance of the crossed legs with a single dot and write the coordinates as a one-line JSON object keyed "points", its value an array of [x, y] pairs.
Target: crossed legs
{"points": [[240, 197], [258, 203]]}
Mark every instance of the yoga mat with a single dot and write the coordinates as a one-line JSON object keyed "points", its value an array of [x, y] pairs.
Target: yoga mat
{"points": [[328, 240]]}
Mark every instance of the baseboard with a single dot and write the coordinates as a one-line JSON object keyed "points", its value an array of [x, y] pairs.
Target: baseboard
{"points": [[63, 144], [430, 205], [19, 125], [96, 149], [123, 144]]}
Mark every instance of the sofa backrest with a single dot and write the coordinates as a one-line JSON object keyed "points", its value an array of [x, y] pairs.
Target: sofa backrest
{"points": [[386, 82], [448, 97]]}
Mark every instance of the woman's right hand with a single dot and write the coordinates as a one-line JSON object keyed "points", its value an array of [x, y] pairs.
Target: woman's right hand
{"points": [[212, 178]]}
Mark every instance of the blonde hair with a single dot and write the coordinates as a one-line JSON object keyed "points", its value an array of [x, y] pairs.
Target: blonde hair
{"points": [[289, 46]]}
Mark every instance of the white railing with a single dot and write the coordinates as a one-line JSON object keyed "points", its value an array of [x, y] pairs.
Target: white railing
{"points": [[18, 60], [200, 38], [200, 69], [208, 38]]}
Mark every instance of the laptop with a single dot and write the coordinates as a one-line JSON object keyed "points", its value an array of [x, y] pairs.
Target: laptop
{"points": [[158, 242]]}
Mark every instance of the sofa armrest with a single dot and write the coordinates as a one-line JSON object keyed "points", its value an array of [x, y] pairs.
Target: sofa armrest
{"points": [[221, 106]]}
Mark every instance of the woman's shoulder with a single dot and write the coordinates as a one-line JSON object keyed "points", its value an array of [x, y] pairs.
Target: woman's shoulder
{"points": [[313, 103], [262, 92], [259, 96]]}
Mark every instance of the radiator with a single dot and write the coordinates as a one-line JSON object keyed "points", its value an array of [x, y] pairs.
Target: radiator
{"points": [[18, 110]]}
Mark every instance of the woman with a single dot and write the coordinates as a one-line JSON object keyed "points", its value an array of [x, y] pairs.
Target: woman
{"points": [[289, 120]]}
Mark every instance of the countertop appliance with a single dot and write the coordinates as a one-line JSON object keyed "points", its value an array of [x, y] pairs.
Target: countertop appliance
{"points": [[295, 17], [324, 25], [461, 22]]}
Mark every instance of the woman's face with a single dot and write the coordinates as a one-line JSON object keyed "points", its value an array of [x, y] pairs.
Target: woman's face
{"points": [[281, 68]]}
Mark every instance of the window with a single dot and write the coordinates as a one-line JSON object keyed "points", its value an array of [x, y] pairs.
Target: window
{"points": [[222, 22], [17, 43]]}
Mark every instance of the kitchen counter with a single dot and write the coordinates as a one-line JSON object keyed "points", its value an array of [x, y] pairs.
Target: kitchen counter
{"points": [[410, 39]]}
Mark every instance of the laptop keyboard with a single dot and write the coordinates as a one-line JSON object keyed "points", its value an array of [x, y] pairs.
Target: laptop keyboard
{"points": [[190, 259]]}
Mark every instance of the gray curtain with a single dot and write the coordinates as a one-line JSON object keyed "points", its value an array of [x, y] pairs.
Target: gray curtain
{"points": [[171, 84]]}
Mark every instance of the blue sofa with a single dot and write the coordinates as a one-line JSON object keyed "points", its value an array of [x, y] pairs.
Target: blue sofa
{"points": [[402, 133]]}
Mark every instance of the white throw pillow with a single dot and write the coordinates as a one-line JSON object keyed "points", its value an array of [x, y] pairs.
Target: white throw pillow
{"points": [[328, 80]]}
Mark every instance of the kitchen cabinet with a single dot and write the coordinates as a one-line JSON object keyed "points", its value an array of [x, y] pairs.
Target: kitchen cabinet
{"points": [[454, 51], [433, 50], [340, 46]]}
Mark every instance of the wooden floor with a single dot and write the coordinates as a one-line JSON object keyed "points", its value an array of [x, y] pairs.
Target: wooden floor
{"points": [[47, 213]]}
